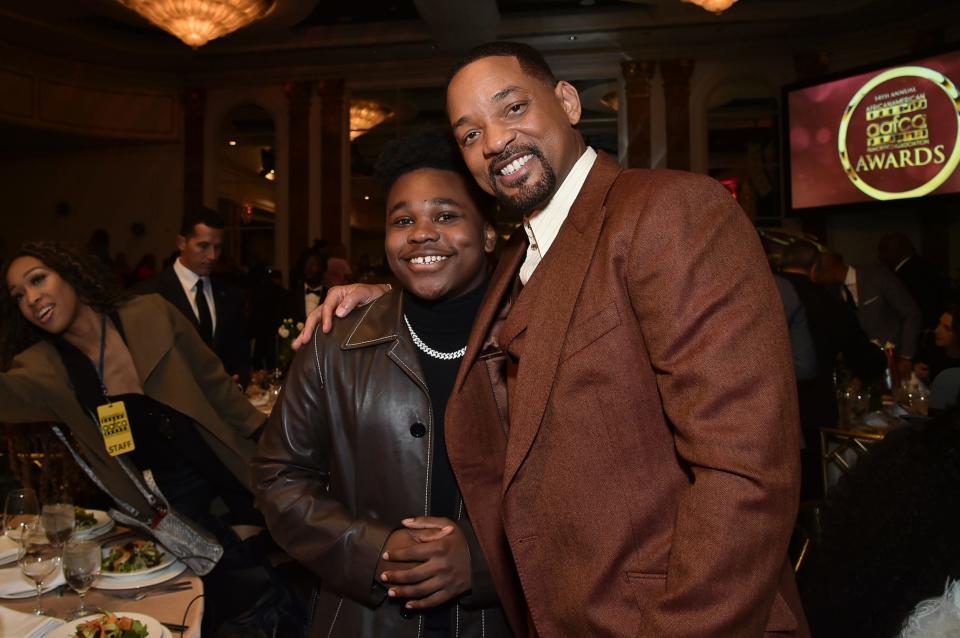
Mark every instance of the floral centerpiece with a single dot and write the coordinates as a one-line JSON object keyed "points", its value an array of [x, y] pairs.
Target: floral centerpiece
{"points": [[286, 333]]}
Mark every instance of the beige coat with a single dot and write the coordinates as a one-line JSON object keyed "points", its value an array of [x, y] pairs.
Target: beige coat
{"points": [[645, 483], [175, 368]]}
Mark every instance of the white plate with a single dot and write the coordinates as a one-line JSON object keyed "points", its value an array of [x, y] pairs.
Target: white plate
{"points": [[154, 628], [171, 572], [104, 523], [165, 561]]}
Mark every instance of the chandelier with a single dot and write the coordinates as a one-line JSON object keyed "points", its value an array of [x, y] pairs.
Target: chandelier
{"points": [[714, 6], [196, 22], [364, 115]]}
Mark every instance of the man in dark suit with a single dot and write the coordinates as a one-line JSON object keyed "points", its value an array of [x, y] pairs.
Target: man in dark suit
{"points": [[924, 281], [215, 308], [308, 291], [885, 309], [835, 331]]}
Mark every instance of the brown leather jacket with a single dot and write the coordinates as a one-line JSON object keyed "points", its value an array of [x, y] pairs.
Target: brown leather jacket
{"points": [[345, 456]]}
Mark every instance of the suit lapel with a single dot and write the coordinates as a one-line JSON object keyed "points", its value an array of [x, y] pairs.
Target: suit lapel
{"points": [[219, 295], [172, 289], [148, 340], [556, 285], [500, 285]]}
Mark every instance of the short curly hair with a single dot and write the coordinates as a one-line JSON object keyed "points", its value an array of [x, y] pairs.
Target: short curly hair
{"points": [[85, 273], [429, 148]]}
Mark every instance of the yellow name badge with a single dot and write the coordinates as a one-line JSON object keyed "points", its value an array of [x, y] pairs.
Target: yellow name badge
{"points": [[117, 437]]}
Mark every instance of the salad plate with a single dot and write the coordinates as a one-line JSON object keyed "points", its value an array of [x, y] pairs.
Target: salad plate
{"points": [[149, 580], [151, 625], [91, 523], [134, 559]]}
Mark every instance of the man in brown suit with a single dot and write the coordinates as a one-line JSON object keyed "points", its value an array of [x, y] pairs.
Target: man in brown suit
{"points": [[624, 424]]}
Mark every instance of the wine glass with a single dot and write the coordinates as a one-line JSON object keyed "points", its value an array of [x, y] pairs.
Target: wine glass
{"points": [[81, 566], [58, 520], [21, 513], [39, 560]]}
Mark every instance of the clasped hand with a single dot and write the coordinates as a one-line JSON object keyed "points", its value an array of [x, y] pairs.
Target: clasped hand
{"points": [[427, 562]]}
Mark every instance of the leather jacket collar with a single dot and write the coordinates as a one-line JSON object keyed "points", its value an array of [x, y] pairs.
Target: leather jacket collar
{"points": [[373, 328]]}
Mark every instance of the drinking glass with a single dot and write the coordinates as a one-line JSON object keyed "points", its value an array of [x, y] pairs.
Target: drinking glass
{"points": [[21, 513], [58, 520], [39, 560], [81, 566]]}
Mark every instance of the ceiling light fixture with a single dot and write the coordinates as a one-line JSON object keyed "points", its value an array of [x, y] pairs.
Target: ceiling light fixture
{"points": [[196, 22], [713, 6], [366, 114]]}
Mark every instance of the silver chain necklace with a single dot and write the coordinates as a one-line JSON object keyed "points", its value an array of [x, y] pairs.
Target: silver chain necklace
{"points": [[427, 350]]}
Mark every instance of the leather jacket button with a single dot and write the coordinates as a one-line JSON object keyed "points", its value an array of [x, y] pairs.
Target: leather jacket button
{"points": [[418, 429]]}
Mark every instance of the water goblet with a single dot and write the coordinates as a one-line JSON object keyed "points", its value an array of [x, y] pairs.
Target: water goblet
{"points": [[58, 521], [81, 566], [21, 513], [39, 561]]}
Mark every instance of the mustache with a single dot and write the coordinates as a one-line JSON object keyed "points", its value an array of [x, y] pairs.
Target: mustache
{"points": [[510, 151]]}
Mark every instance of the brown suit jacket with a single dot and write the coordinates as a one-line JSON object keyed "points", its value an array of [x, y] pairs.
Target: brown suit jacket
{"points": [[174, 366], [647, 481]]}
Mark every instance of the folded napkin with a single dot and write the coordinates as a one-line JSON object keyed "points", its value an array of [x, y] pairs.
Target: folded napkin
{"points": [[13, 584], [8, 549], [15, 623]]}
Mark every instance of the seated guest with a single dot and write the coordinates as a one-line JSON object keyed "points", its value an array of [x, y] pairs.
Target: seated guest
{"points": [[309, 290], [352, 472], [215, 308], [889, 534], [74, 348], [940, 349]]}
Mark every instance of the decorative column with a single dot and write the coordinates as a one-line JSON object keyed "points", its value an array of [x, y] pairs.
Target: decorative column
{"points": [[636, 110], [334, 160], [194, 113], [298, 168], [676, 92]]}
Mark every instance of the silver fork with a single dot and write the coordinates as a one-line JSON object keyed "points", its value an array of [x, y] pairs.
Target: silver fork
{"points": [[140, 595]]}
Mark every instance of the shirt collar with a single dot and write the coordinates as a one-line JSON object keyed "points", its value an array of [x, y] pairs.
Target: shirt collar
{"points": [[545, 225], [187, 277]]}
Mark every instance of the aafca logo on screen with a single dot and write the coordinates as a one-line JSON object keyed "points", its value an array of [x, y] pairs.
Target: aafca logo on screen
{"points": [[899, 136]]}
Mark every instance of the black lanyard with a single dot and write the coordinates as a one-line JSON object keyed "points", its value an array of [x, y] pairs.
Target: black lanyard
{"points": [[103, 350]]}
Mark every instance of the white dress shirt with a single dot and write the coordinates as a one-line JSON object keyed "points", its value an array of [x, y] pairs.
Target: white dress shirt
{"points": [[188, 279], [851, 283], [310, 299], [543, 227]]}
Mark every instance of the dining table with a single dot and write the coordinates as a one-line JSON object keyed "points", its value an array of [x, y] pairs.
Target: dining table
{"points": [[183, 607], [175, 598]]}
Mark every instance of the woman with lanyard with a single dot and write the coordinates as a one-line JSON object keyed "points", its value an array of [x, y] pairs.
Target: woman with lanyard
{"points": [[137, 388]]}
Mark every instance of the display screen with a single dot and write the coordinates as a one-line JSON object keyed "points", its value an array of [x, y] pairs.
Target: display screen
{"points": [[888, 134]]}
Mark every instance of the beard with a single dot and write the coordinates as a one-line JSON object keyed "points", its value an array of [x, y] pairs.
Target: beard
{"points": [[529, 196]]}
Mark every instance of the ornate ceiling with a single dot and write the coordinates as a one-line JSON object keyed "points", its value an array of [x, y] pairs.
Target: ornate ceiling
{"points": [[398, 40]]}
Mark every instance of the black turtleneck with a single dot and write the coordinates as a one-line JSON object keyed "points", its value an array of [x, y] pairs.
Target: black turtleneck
{"points": [[443, 325]]}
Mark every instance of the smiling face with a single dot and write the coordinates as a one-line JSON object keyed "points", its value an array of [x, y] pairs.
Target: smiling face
{"points": [[200, 251], [515, 132], [436, 238], [43, 296]]}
